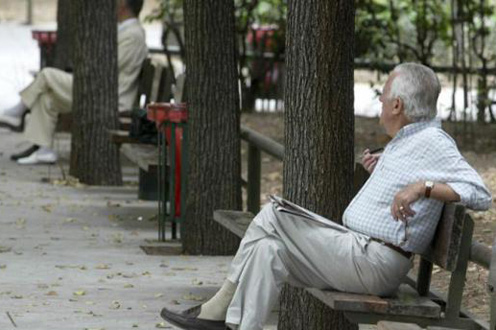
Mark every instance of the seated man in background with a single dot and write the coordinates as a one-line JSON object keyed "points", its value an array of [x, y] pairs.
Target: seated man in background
{"points": [[51, 92], [393, 216]]}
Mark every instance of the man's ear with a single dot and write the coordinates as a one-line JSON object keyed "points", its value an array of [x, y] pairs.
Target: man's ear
{"points": [[397, 106]]}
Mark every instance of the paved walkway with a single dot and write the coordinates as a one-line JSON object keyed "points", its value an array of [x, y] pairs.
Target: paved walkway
{"points": [[70, 256]]}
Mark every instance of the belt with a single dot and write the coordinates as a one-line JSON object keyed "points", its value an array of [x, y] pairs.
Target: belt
{"points": [[404, 253]]}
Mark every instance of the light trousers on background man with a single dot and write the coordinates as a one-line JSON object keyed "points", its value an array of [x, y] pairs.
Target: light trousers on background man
{"points": [[49, 95], [279, 248]]}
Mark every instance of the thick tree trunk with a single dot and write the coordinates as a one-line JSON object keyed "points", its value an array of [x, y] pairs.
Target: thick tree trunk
{"points": [[214, 144], [319, 128], [94, 159], [65, 35]]}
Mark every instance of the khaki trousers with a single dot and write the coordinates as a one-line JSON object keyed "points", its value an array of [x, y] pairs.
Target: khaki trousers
{"points": [[47, 96], [283, 248]]}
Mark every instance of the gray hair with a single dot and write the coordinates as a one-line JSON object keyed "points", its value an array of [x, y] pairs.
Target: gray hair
{"points": [[418, 87]]}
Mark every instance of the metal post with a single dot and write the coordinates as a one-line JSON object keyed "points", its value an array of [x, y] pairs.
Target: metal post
{"points": [[172, 178], [254, 178], [184, 170], [492, 287], [29, 16], [162, 191]]}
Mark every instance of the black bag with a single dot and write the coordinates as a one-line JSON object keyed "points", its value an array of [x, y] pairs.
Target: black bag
{"points": [[143, 129]]}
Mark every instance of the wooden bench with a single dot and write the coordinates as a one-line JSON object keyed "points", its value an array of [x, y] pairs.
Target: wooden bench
{"points": [[143, 155], [146, 157], [414, 302]]}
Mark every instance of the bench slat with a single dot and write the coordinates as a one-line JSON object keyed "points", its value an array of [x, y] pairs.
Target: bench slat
{"points": [[407, 302], [350, 302], [446, 247], [120, 137], [386, 325], [144, 155], [125, 124], [236, 221]]}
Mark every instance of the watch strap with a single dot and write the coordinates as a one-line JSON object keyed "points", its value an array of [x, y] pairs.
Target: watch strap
{"points": [[428, 188]]}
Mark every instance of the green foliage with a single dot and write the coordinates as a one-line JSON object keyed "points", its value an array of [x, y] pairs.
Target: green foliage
{"points": [[165, 10], [401, 30]]}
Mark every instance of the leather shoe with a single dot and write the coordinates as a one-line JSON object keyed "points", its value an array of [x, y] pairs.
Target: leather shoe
{"points": [[25, 153], [189, 320]]}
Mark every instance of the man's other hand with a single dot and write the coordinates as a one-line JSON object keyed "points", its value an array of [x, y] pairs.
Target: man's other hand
{"points": [[401, 208], [369, 161]]}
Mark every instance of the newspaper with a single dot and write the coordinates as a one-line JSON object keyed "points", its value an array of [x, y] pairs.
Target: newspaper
{"points": [[283, 205]]}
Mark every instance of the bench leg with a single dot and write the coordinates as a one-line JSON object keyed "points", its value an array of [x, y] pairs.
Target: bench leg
{"points": [[148, 185], [492, 287]]}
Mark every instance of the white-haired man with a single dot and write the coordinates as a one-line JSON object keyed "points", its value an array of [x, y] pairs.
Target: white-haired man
{"points": [[392, 217], [51, 92]]}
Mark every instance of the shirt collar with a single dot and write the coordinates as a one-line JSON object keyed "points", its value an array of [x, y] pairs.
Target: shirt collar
{"points": [[413, 128], [126, 23]]}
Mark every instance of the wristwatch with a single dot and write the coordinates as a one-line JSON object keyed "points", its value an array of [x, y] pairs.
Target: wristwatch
{"points": [[428, 188]]}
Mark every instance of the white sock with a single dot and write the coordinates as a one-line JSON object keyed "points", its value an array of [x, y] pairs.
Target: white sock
{"points": [[45, 151], [216, 308], [16, 110]]}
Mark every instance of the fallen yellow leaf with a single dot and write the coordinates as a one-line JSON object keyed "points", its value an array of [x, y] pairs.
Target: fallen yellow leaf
{"points": [[80, 293]]}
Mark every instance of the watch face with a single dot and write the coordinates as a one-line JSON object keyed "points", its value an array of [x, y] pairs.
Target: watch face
{"points": [[429, 184]]}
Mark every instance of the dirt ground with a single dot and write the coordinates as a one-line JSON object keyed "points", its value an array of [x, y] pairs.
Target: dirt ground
{"points": [[481, 154]]}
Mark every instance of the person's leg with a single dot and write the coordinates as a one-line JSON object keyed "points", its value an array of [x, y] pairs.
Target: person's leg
{"points": [[17, 110], [279, 247], [259, 285], [51, 81], [216, 307], [49, 96], [40, 129], [56, 81], [303, 253], [42, 121]]}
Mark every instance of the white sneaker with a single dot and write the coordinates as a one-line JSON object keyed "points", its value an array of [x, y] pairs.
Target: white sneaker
{"points": [[13, 116], [10, 120], [41, 156]]}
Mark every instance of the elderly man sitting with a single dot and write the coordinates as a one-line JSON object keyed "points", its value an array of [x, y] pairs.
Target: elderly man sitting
{"points": [[51, 92], [392, 217]]}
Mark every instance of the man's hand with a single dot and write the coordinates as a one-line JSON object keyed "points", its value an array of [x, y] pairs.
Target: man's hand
{"points": [[369, 161], [401, 209]]}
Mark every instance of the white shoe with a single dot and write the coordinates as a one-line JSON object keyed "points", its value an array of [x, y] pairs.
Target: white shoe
{"points": [[41, 156], [10, 120], [13, 116]]}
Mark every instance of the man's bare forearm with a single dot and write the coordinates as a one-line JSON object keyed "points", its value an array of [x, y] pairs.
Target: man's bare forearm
{"points": [[441, 192]]}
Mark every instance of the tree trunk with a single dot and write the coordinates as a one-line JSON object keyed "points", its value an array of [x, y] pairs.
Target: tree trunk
{"points": [[65, 35], [319, 128], [29, 12], [214, 144], [94, 159]]}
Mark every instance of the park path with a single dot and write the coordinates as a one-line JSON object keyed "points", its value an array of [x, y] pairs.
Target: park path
{"points": [[70, 255]]}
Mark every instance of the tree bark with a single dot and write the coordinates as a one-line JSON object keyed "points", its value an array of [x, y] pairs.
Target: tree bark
{"points": [[65, 36], [94, 159], [319, 129], [214, 144]]}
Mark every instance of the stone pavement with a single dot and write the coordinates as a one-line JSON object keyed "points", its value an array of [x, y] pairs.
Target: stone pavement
{"points": [[70, 256]]}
